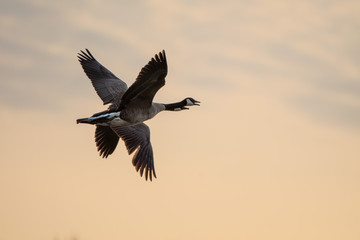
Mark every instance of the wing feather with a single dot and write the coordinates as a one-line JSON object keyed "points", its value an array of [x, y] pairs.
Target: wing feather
{"points": [[109, 87], [106, 140], [150, 79], [137, 139]]}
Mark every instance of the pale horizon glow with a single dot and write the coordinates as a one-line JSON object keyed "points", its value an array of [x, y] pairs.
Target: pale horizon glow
{"points": [[271, 153]]}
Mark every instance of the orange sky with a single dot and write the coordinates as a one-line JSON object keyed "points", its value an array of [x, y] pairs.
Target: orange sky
{"points": [[271, 153]]}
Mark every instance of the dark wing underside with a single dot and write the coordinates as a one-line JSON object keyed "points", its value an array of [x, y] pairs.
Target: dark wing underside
{"points": [[109, 87], [106, 140], [150, 79], [137, 139]]}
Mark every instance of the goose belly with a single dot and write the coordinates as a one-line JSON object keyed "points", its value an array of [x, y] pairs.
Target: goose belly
{"points": [[117, 121]]}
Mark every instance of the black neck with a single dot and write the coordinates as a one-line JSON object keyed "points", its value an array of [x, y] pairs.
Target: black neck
{"points": [[175, 106]]}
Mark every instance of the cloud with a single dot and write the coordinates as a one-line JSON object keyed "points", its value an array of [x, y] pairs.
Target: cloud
{"points": [[286, 50]]}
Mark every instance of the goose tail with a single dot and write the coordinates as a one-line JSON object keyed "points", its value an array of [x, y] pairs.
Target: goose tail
{"points": [[84, 120], [97, 118]]}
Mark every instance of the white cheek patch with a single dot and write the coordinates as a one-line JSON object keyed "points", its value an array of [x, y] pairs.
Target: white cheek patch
{"points": [[189, 103]]}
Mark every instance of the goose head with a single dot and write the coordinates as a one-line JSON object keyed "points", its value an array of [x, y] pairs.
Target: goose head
{"points": [[191, 102], [182, 105]]}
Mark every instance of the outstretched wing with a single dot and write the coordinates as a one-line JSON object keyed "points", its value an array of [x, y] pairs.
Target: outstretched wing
{"points": [[137, 138], [109, 87], [150, 79], [106, 140]]}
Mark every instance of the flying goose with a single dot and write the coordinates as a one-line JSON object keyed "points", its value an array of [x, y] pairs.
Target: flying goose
{"points": [[129, 108]]}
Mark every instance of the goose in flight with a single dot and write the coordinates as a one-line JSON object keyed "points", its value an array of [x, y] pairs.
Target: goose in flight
{"points": [[129, 108]]}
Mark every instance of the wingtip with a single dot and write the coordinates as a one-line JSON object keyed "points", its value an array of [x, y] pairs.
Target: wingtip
{"points": [[85, 56], [147, 173], [163, 53], [87, 50], [160, 57], [150, 176]]}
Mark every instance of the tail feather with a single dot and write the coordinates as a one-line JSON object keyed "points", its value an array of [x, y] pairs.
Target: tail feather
{"points": [[83, 120], [94, 119], [101, 117]]}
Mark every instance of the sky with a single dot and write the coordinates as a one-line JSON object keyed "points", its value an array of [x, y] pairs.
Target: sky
{"points": [[271, 153]]}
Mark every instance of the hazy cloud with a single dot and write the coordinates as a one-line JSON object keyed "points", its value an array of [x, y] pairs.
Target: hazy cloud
{"points": [[269, 46]]}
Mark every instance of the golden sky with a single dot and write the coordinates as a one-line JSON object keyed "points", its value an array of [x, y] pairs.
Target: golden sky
{"points": [[271, 153]]}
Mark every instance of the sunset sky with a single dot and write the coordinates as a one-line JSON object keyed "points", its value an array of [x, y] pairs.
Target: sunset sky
{"points": [[272, 153]]}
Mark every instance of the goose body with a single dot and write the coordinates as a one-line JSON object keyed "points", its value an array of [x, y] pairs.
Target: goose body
{"points": [[127, 117], [129, 108]]}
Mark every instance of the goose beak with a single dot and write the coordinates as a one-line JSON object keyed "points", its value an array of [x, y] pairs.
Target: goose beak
{"points": [[197, 103]]}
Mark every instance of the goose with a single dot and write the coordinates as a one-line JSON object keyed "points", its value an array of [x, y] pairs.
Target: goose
{"points": [[128, 109]]}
